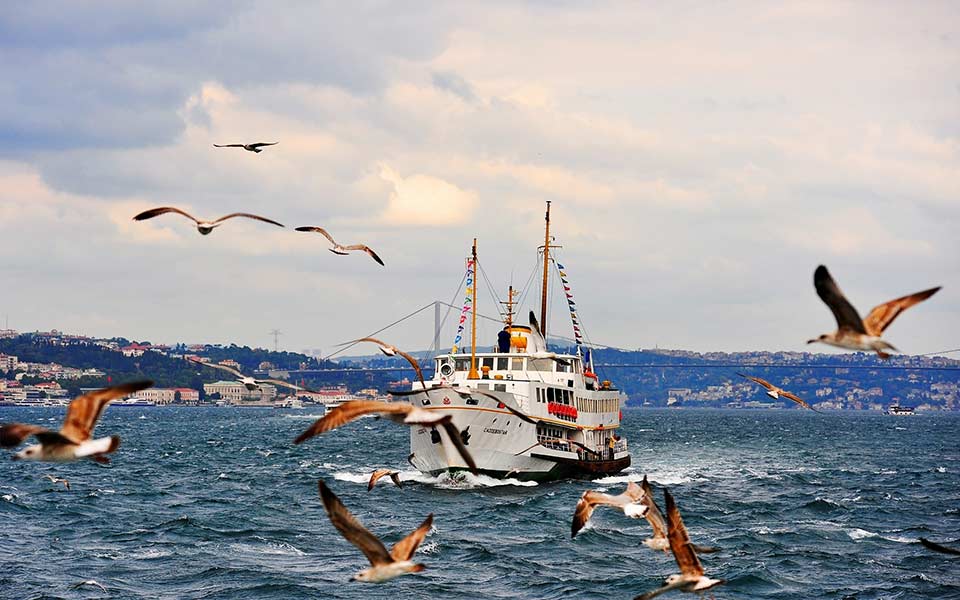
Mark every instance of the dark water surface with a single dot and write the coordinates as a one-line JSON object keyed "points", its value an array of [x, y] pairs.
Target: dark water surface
{"points": [[217, 503]]}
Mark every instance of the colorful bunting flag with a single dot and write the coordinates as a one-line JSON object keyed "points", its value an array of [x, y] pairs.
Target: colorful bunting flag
{"points": [[467, 303], [568, 292]]}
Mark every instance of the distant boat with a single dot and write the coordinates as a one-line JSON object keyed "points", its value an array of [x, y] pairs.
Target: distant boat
{"points": [[134, 402], [899, 411]]}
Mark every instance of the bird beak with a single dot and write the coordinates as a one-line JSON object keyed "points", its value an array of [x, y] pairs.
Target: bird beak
{"points": [[812, 341]]}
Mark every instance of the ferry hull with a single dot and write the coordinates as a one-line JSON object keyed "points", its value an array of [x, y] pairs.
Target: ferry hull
{"points": [[502, 445]]}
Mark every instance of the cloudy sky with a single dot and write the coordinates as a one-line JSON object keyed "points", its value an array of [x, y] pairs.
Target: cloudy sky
{"points": [[703, 158]]}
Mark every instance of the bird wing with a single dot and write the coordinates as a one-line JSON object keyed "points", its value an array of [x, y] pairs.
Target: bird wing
{"points": [[582, 513], [262, 144], [513, 410], [798, 400], [285, 384], [249, 216], [13, 434], [937, 547], [83, 412], [762, 382], [844, 312], [395, 478], [585, 507], [319, 230], [658, 591], [415, 364], [653, 514], [366, 249], [228, 145], [375, 477], [404, 549], [680, 542], [230, 370], [454, 434], [348, 411], [881, 316], [352, 530], [156, 212], [634, 493]]}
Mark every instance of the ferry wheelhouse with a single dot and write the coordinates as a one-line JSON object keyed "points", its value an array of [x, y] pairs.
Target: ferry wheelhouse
{"points": [[576, 416]]}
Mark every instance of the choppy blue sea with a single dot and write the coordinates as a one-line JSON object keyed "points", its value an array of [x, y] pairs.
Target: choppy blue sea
{"points": [[217, 503]]}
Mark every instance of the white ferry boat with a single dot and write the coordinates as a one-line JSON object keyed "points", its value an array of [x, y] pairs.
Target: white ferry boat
{"points": [[577, 417], [899, 411]]}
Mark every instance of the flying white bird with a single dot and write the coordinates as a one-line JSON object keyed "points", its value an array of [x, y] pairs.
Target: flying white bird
{"points": [[398, 412], [340, 249], [384, 565], [251, 383], [73, 441], [379, 473], [854, 333], [658, 523], [691, 577], [257, 147], [775, 392], [204, 227], [629, 502]]}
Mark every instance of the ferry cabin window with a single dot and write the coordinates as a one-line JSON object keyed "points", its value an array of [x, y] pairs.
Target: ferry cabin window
{"points": [[462, 364], [517, 364], [561, 368], [542, 364], [499, 387], [502, 363], [486, 362], [550, 395]]}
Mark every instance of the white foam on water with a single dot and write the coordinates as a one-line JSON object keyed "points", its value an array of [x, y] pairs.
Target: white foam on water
{"points": [[303, 417], [860, 534], [150, 553], [462, 480], [352, 477], [941, 469], [269, 548], [429, 548], [9, 497]]}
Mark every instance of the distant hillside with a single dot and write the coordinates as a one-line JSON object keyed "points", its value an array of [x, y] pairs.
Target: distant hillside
{"points": [[166, 368], [648, 377]]}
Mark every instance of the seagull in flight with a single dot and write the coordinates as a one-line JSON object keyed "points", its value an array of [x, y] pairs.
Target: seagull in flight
{"points": [[390, 350], [629, 502], [384, 565], [379, 473], [466, 393], [398, 412], [854, 333], [343, 250], [251, 383], [657, 521], [73, 441], [775, 392], [56, 480], [204, 227], [257, 147], [691, 577]]}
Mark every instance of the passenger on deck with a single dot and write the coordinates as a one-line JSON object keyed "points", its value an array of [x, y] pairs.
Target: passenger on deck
{"points": [[610, 444], [503, 340]]}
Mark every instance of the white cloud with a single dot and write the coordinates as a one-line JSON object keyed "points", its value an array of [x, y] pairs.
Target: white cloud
{"points": [[419, 200]]}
